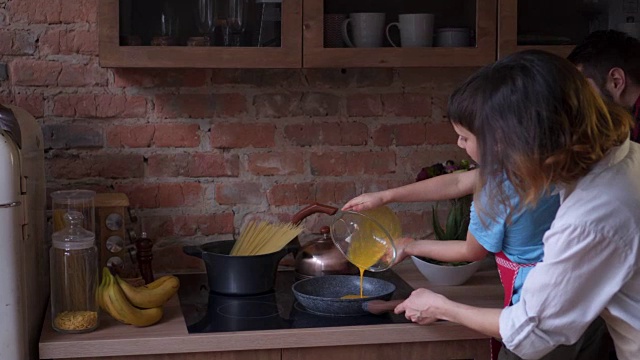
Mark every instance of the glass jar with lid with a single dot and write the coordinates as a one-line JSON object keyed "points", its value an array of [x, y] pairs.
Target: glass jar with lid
{"points": [[74, 277]]}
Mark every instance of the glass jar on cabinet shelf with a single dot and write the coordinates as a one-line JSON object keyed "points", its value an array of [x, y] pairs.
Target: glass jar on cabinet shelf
{"points": [[74, 277]]}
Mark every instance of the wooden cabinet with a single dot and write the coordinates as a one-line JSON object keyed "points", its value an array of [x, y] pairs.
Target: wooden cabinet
{"points": [[441, 350], [530, 24], [302, 39], [113, 54], [498, 28], [476, 15]]}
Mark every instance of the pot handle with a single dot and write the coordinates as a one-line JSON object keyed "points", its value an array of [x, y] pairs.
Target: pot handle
{"points": [[192, 250], [312, 209]]}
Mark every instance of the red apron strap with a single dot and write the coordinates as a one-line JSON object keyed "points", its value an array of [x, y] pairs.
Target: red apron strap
{"points": [[508, 271]]}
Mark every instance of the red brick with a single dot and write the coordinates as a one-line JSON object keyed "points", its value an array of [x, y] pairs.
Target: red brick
{"points": [[70, 135], [199, 105], [193, 165], [417, 223], [17, 42], [353, 163], [400, 135], [96, 166], [441, 133], [406, 104], [343, 78], [177, 135], [190, 225], [148, 78], [291, 194], [35, 11], [34, 72], [32, 103], [49, 42], [275, 163], [162, 195], [99, 106], [335, 192], [234, 193], [364, 105], [82, 11], [234, 135], [77, 75], [136, 136], [84, 42], [320, 104], [277, 105], [435, 77], [335, 133], [285, 78]]}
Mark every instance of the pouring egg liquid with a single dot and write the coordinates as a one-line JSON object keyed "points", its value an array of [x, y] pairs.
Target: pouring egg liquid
{"points": [[366, 239]]}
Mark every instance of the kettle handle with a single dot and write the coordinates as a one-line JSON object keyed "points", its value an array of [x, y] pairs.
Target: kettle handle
{"points": [[312, 209], [192, 250]]}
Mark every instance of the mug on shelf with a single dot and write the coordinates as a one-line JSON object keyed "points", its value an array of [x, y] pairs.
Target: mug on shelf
{"points": [[367, 29], [416, 30], [453, 37]]}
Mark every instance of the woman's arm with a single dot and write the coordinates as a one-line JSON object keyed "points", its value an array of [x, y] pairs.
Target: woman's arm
{"points": [[425, 306], [443, 187], [443, 250]]}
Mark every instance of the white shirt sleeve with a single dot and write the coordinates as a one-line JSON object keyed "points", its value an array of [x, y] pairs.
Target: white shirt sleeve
{"points": [[581, 271]]}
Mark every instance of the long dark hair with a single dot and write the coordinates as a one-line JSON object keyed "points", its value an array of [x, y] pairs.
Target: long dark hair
{"points": [[537, 121]]}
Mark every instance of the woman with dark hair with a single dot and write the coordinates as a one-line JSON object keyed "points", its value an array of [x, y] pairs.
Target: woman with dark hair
{"points": [[535, 119]]}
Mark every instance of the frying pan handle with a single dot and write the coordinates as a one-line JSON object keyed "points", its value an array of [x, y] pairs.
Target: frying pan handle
{"points": [[312, 209], [380, 306], [192, 250]]}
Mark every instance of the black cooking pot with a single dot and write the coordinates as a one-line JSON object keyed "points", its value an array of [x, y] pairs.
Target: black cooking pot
{"points": [[238, 275], [322, 295], [247, 275]]}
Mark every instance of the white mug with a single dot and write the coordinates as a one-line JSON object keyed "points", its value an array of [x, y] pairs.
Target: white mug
{"points": [[453, 37], [367, 29], [416, 30]]}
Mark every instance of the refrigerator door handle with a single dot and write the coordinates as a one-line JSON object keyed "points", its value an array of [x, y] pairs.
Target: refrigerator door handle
{"points": [[10, 205]]}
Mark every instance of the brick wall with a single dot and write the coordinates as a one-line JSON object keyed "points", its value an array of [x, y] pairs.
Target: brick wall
{"points": [[201, 151]]}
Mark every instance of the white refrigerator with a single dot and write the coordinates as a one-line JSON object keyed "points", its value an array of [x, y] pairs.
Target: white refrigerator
{"points": [[24, 271]]}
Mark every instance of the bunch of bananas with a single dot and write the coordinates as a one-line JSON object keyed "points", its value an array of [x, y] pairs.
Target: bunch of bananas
{"points": [[138, 306]]}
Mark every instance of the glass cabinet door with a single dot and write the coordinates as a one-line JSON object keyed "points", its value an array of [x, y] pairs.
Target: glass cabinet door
{"points": [[557, 26], [200, 33], [404, 33]]}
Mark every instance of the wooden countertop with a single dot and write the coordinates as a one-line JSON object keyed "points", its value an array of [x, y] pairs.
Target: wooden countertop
{"points": [[170, 336]]}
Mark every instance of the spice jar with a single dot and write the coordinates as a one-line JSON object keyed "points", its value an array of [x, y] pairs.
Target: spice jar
{"points": [[74, 277]]}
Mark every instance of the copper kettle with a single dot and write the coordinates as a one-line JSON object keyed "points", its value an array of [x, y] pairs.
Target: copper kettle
{"points": [[320, 256]]}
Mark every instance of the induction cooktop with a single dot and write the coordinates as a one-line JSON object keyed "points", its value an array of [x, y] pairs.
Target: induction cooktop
{"points": [[278, 309]]}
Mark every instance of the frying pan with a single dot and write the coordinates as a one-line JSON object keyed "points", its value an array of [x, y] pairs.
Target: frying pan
{"points": [[322, 295]]}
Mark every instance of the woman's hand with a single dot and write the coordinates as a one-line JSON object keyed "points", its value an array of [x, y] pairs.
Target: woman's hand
{"points": [[422, 306], [365, 201], [402, 251]]}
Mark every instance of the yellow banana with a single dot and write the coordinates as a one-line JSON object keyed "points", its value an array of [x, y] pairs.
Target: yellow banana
{"points": [[152, 295], [117, 305]]}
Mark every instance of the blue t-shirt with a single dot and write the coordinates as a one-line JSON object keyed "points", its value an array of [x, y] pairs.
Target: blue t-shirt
{"points": [[521, 239]]}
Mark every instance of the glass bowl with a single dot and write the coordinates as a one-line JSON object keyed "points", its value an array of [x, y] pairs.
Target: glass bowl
{"points": [[366, 238]]}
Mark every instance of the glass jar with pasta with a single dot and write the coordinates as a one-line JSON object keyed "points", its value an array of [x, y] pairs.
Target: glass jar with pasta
{"points": [[74, 277]]}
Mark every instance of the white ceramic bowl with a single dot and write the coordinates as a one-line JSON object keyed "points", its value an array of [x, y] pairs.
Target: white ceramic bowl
{"points": [[445, 275]]}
